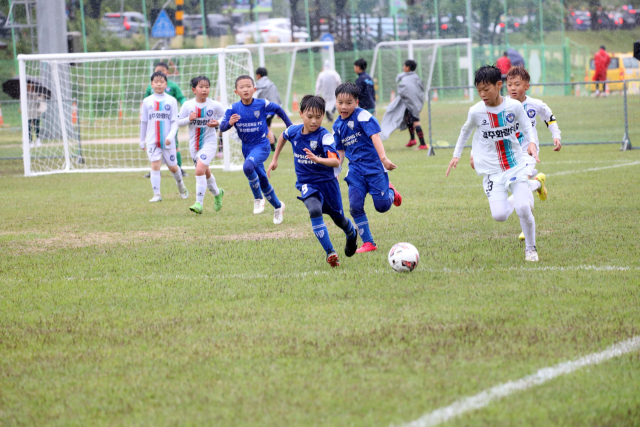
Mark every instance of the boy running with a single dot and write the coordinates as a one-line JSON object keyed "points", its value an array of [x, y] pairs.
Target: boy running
{"points": [[249, 118], [158, 128], [357, 136], [497, 152], [202, 115], [317, 165]]}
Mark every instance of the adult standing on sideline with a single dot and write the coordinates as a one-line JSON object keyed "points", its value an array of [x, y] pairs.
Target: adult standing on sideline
{"points": [[326, 84], [365, 84], [267, 90], [504, 65], [601, 62]]}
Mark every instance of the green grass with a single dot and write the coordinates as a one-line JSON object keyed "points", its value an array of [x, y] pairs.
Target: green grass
{"points": [[115, 311]]}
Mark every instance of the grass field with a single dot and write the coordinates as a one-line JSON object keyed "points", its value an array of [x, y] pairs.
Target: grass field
{"points": [[115, 311]]}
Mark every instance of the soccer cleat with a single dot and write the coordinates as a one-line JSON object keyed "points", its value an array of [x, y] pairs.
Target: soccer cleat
{"points": [[258, 206], [332, 259], [278, 214], [367, 247], [183, 173], [219, 155], [542, 191], [352, 244], [156, 198], [273, 147], [184, 193], [197, 208], [521, 237], [423, 147], [38, 142], [217, 200], [147, 175], [411, 143], [397, 198], [531, 255]]}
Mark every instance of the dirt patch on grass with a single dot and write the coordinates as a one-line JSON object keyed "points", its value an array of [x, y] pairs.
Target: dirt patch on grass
{"points": [[272, 235]]}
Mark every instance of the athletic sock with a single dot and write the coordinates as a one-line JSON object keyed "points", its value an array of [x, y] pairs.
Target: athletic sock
{"points": [[155, 182], [412, 132], [212, 186], [201, 188], [178, 177], [346, 225], [362, 223], [179, 159], [270, 194], [420, 135], [254, 183], [534, 184], [322, 234]]}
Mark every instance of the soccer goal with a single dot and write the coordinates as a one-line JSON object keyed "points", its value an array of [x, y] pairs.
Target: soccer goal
{"points": [[292, 67], [441, 63], [88, 106]]}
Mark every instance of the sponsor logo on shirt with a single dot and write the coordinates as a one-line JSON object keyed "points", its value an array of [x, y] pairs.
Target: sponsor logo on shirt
{"points": [[158, 115], [500, 133], [531, 113]]}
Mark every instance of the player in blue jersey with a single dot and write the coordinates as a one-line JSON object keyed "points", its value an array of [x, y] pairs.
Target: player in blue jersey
{"points": [[357, 136], [249, 116], [317, 165]]}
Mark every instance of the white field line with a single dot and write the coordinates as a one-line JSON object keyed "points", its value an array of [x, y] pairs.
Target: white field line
{"points": [[595, 169], [485, 397]]}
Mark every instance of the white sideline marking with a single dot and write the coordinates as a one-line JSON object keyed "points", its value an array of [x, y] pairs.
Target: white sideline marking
{"points": [[595, 169], [485, 397]]}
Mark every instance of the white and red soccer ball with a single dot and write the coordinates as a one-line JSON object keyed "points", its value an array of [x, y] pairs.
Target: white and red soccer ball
{"points": [[404, 257]]}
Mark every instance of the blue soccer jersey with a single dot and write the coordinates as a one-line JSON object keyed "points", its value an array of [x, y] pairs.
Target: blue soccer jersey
{"points": [[319, 143], [252, 126], [353, 135]]}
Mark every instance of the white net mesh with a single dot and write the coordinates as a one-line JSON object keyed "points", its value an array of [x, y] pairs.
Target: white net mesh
{"points": [[88, 108]]}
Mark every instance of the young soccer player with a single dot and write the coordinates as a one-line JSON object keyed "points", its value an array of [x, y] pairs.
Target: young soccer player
{"points": [[158, 128], [202, 115], [357, 136], [249, 118], [497, 152], [317, 164]]}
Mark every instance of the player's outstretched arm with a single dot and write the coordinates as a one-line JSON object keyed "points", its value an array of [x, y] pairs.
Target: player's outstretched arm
{"points": [[331, 161], [341, 156], [377, 144], [452, 164], [274, 161], [533, 151], [275, 108], [557, 144], [228, 120]]}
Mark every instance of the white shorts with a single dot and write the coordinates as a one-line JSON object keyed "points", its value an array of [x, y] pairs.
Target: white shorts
{"points": [[497, 185], [530, 163], [204, 155], [156, 153]]}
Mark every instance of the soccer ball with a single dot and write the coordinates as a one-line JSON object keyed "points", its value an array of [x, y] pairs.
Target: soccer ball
{"points": [[404, 257]]}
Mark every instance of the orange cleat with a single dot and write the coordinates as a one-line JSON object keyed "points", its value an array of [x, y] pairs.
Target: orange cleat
{"points": [[397, 198], [423, 147], [367, 247]]}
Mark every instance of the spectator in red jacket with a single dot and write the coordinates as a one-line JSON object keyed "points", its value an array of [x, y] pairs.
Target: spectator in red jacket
{"points": [[504, 64], [601, 61]]}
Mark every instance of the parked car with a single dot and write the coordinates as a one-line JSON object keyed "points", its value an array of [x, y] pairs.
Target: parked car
{"points": [[276, 30], [623, 66], [217, 25], [580, 20], [124, 24]]}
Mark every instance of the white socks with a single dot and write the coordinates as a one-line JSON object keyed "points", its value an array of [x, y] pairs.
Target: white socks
{"points": [[155, 182], [534, 184], [522, 200], [212, 186], [177, 176], [201, 188]]}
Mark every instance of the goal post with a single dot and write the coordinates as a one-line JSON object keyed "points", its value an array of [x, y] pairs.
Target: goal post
{"points": [[440, 63], [81, 112], [294, 65]]}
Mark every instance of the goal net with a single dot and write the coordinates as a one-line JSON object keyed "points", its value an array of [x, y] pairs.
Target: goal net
{"points": [[440, 63], [83, 110], [292, 67]]}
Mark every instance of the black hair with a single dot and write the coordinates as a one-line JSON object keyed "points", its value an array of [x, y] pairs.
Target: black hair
{"points": [[488, 74], [245, 77], [312, 103], [411, 64], [361, 63], [505, 53], [162, 64], [159, 74], [196, 80], [603, 48], [262, 71], [348, 88]]}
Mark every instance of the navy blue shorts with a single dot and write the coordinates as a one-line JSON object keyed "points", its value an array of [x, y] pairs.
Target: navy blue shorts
{"points": [[257, 154], [376, 184], [328, 192]]}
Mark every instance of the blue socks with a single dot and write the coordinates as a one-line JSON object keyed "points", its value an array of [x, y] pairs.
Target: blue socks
{"points": [[320, 230], [362, 223], [270, 194], [350, 230], [255, 185]]}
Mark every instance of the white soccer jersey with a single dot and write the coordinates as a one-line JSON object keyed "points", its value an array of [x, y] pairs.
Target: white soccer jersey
{"points": [[199, 133], [536, 108], [160, 112], [495, 145]]}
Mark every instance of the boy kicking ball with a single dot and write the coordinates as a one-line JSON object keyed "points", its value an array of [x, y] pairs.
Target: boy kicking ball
{"points": [[357, 136], [317, 166], [497, 153], [249, 116], [202, 115], [158, 128]]}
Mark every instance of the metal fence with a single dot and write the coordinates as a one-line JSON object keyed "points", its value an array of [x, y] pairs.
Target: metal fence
{"points": [[582, 117]]}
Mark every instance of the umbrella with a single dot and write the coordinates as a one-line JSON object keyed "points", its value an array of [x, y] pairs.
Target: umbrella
{"points": [[12, 87], [516, 59]]}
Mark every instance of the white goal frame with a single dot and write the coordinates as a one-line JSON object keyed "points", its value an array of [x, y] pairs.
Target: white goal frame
{"points": [[436, 43], [23, 58]]}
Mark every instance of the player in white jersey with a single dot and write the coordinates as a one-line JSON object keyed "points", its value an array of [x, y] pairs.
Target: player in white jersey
{"points": [[497, 153], [202, 115], [158, 129]]}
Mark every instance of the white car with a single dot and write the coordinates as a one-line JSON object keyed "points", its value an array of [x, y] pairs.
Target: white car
{"points": [[276, 30]]}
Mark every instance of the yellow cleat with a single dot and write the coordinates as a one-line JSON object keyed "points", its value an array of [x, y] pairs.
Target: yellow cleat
{"points": [[542, 191], [521, 237]]}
